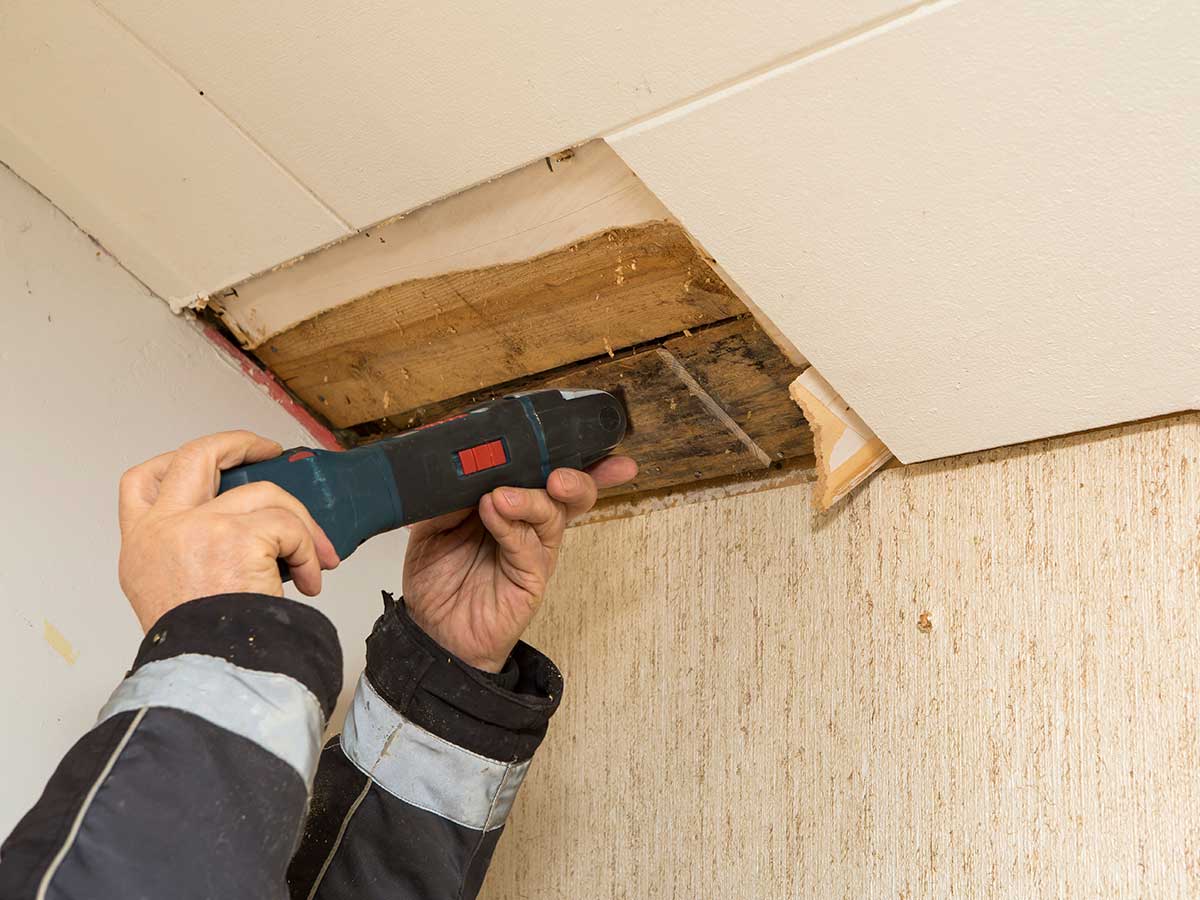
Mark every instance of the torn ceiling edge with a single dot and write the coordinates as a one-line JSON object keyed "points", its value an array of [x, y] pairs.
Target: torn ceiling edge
{"points": [[536, 209], [567, 272], [847, 450]]}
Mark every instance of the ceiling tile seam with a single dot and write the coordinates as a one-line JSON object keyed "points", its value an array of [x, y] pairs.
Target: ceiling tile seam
{"points": [[254, 142], [810, 53]]}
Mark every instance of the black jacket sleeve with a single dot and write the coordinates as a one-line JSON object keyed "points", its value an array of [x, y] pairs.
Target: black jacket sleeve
{"points": [[411, 798], [195, 780]]}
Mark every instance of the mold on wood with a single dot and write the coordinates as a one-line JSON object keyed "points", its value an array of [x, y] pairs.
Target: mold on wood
{"points": [[679, 432], [742, 370]]}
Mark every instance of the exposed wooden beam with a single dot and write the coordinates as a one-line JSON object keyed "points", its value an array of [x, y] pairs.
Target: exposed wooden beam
{"points": [[566, 273], [424, 340], [543, 206], [680, 432]]}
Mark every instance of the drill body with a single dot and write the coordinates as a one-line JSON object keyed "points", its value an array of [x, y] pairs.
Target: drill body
{"points": [[517, 441]]}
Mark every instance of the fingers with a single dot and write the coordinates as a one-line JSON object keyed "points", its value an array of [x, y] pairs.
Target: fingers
{"points": [[258, 495], [574, 489], [138, 489], [535, 508], [194, 473], [288, 538], [577, 490], [569, 493], [613, 470]]}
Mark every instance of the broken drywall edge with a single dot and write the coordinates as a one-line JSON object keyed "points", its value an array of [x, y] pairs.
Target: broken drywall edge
{"points": [[270, 386], [847, 450]]}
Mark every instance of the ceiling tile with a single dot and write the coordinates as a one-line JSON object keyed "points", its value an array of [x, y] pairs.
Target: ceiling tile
{"points": [[138, 158], [978, 222], [380, 107]]}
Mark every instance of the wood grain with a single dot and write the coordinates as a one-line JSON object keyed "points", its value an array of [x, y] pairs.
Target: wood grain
{"points": [[432, 338], [541, 207], [742, 369], [677, 433], [977, 678]]}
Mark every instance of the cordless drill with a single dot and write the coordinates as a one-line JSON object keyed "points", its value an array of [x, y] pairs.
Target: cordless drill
{"points": [[517, 440]]}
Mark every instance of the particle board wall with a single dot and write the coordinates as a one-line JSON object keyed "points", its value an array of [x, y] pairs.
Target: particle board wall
{"points": [[978, 678]]}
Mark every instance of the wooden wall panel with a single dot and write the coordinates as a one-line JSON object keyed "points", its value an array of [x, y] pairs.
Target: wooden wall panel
{"points": [[979, 678]]}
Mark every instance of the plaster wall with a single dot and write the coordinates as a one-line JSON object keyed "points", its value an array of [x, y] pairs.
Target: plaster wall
{"points": [[96, 374]]}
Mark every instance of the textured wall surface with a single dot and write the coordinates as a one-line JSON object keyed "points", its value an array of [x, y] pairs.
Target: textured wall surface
{"points": [[975, 679]]}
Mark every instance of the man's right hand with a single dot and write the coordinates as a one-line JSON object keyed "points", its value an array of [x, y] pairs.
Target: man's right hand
{"points": [[180, 541]]}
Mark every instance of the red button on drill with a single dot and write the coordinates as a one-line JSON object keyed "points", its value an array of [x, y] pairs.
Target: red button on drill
{"points": [[484, 456]]}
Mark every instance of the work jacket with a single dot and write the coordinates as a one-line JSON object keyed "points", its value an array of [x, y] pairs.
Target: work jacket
{"points": [[205, 775]]}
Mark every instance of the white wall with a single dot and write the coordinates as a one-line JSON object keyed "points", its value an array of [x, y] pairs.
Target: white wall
{"points": [[95, 375]]}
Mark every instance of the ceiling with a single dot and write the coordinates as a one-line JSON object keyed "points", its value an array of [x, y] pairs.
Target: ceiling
{"points": [[977, 220], [205, 142]]}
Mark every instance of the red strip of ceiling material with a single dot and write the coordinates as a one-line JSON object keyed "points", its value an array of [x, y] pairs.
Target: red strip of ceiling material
{"points": [[322, 435]]}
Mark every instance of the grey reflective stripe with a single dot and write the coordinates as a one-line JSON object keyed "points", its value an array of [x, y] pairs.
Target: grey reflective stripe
{"points": [[275, 711], [425, 770], [52, 869]]}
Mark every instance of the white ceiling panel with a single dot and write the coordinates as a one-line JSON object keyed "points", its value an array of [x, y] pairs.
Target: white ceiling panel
{"points": [[981, 223], [138, 159], [380, 106]]}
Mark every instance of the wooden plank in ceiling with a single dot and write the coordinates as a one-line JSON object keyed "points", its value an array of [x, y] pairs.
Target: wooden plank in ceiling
{"points": [[382, 107], [541, 207], [976, 221], [743, 370], [677, 433], [701, 406], [430, 338], [137, 158]]}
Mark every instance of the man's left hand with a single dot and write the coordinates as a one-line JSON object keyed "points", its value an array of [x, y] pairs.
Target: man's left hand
{"points": [[473, 579]]}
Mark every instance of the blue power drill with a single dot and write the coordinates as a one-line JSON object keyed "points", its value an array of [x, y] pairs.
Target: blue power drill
{"points": [[517, 441]]}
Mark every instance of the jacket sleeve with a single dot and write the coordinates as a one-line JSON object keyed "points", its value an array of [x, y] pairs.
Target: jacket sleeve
{"points": [[410, 800], [195, 780]]}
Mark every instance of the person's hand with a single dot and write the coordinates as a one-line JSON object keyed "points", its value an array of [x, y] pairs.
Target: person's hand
{"points": [[473, 579], [180, 541]]}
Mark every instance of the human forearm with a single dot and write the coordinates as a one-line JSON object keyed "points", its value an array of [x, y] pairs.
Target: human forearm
{"points": [[411, 800]]}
